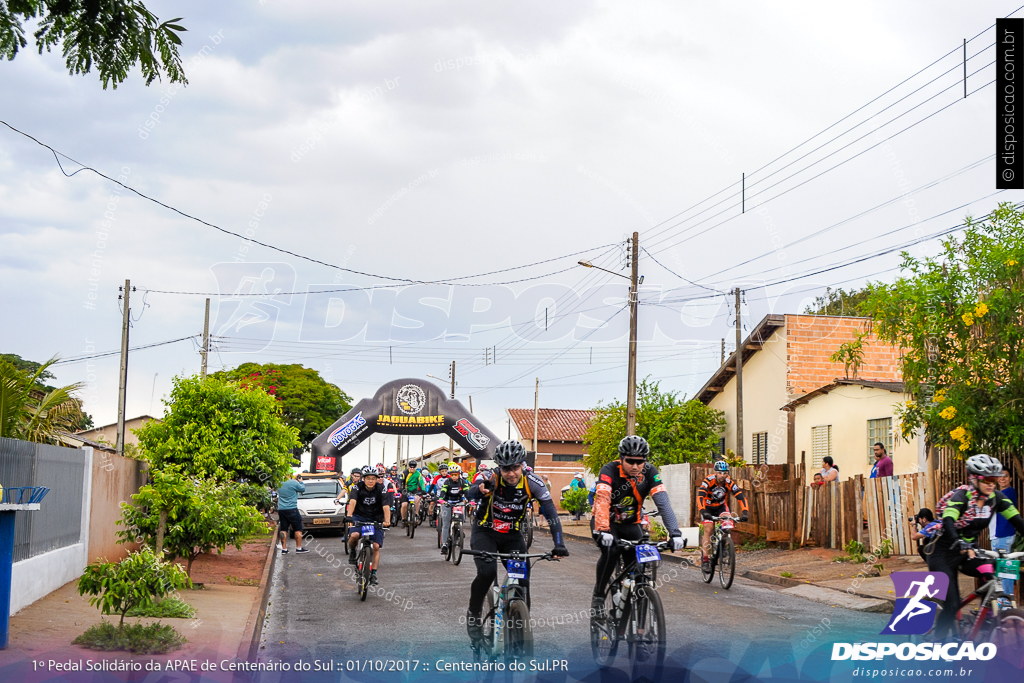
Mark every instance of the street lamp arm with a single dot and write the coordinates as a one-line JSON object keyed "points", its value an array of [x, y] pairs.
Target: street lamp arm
{"points": [[588, 264]]}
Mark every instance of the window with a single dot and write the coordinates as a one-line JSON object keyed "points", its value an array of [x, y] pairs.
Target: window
{"points": [[560, 457], [821, 444], [759, 452], [879, 431]]}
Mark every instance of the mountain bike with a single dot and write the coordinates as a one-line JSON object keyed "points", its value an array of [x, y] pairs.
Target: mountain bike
{"points": [[456, 539], [425, 501], [364, 556], [506, 614], [724, 552], [411, 519], [989, 622], [632, 612]]}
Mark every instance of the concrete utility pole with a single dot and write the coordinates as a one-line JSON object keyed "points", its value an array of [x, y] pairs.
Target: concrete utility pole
{"points": [[122, 384], [451, 444], [206, 339], [536, 414], [633, 304], [739, 376], [723, 352]]}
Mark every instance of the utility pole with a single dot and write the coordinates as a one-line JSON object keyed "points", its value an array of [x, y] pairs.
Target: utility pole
{"points": [[633, 304], [206, 338], [122, 384], [739, 376], [723, 351], [536, 414], [451, 444]]}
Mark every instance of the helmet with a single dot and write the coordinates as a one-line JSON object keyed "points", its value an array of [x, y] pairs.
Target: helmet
{"points": [[634, 447], [509, 453], [721, 466], [381, 471], [356, 470], [982, 465], [442, 466], [380, 465], [369, 471]]}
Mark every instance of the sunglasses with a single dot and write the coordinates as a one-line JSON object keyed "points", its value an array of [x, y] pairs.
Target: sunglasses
{"points": [[510, 468], [634, 461], [990, 480]]}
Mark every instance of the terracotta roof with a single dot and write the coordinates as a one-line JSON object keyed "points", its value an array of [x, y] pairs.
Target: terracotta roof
{"points": [[894, 387], [552, 424]]}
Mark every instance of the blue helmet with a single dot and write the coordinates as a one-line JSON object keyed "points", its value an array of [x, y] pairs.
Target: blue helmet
{"points": [[721, 466]]}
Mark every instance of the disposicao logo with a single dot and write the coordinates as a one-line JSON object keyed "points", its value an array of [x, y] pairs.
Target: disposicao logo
{"points": [[346, 430], [914, 613]]}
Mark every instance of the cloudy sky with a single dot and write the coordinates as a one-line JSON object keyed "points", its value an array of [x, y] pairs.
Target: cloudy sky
{"points": [[432, 141]]}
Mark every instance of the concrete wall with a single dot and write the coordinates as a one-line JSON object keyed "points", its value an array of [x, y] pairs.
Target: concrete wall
{"points": [[764, 394], [678, 481], [848, 408], [108, 433], [114, 480]]}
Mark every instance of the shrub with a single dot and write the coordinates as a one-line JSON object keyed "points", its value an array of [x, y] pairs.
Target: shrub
{"points": [[576, 500], [154, 639], [168, 608], [136, 581]]}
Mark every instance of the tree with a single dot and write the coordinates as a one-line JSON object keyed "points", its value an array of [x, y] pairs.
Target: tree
{"points": [[39, 388], [115, 35], [576, 501], [201, 515], [840, 302], [851, 354], [217, 429], [959, 319], [30, 413], [677, 430], [136, 581], [308, 402]]}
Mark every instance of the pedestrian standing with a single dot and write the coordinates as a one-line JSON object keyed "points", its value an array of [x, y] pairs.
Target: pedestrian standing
{"points": [[883, 463], [288, 513], [1000, 531]]}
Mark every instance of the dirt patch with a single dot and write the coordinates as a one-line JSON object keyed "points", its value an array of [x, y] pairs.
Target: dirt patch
{"points": [[819, 564], [245, 566]]}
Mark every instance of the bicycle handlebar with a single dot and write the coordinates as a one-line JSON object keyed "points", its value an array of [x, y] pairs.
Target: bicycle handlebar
{"points": [[994, 555], [662, 545], [509, 556]]}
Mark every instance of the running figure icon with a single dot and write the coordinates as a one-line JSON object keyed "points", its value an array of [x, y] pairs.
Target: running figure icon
{"points": [[914, 607]]}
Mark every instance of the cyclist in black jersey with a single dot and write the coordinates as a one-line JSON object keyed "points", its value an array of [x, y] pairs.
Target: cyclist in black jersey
{"points": [[504, 494], [369, 502], [452, 490]]}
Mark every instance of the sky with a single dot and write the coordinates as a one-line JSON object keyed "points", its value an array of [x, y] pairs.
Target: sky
{"points": [[441, 148]]}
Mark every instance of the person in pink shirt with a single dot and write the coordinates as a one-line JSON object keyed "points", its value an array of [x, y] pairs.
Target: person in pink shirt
{"points": [[883, 463]]}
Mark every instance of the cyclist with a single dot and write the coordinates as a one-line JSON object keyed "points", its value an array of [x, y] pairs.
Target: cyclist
{"points": [[450, 492], [369, 502], [353, 477], [504, 494], [712, 502], [414, 484], [434, 484], [967, 512], [622, 486]]}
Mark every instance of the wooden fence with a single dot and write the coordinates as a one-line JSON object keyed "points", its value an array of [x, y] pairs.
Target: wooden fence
{"points": [[832, 514], [769, 494], [889, 504]]}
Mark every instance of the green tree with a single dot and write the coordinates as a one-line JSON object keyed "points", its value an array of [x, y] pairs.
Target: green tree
{"points": [[201, 515], [39, 388], [216, 429], [576, 500], [840, 302], [678, 430], [851, 354], [959, 320], [31, 413], [113, 35], [136, 581], [308, 402]]}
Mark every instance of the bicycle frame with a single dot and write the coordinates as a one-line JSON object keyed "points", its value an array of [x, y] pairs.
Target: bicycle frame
{"points": [[508, 591], [641, 575]]}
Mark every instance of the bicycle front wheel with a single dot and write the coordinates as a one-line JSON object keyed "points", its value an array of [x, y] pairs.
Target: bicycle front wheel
{"points": [[456, 544], [726, 561], [604, 632], [364, 565], [528, 531], [1008, 636], [708, 574], [518, 634], [647, 638]]}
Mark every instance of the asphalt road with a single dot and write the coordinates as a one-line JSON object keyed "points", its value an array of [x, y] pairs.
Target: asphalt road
{"points": [[315, 613]]}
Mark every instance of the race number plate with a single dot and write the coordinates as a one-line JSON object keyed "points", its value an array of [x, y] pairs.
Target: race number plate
{"points": [[727, 524], [458, 509], [1008, 569], [516, 569], [647, 553], [367, 530], [321, 520]]}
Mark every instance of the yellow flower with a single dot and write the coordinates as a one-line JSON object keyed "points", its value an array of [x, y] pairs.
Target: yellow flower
{"points": [[1011, 262], [965, 445], [958, 433], [980, 310], [968, 319], [948, 414], [940, 396]]}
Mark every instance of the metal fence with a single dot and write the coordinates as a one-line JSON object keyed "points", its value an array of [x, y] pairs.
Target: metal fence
{"points": [[58, 523]]}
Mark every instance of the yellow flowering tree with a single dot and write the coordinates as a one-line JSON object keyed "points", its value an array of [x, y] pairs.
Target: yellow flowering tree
{"points": [[959, 318]]}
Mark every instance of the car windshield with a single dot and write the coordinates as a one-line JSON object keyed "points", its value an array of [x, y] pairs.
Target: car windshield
{"points": [[321, 489]]}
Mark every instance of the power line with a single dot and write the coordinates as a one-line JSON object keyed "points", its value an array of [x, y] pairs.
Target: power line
{"points": [[78, 359]]}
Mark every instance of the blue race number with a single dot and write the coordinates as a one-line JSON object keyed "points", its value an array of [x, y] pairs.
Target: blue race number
{"points": [[647, 553], [367, 530], [516, 569]]}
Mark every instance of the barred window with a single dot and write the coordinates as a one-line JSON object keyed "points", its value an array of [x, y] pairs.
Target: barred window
{"points": [[879, 431], [759, 452], [821, 444]]}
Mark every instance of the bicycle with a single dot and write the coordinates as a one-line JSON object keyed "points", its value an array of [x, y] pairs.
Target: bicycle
{"points": [[724, 554], [425, 501], [456, 539], [990, 623], [633, 612], [411, 518], [364, 556], [506, 620]]}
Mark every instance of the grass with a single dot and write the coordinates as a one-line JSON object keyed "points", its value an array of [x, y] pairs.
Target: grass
{"points": [[235, 581], [154, 639], [788, 575], [756, 544], [168, 608]]}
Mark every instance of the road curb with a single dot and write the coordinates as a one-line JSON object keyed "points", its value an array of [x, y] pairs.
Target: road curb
{"points": [[769, 578], [250, 645]]}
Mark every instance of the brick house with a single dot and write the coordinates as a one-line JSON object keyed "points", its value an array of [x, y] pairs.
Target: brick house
{"points": [[786, 357], [560, 448]]}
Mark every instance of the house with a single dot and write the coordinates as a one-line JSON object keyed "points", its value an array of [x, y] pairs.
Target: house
{"points": [[560, 448], [845, 419], [442, 455], [786, 357], [108, 433]]}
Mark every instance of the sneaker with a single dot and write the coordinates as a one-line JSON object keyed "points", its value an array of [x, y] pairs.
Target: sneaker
{"points": [[705, 565], [352, 558], [284, 551], [597, 607], [474, 627], [301, 550], [444, 549], [373, 577]]}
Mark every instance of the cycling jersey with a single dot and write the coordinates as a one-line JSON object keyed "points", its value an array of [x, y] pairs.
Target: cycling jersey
{"points": [[503, 509], [619, 499], [370, 503], [414, 483], [452, 490], [713, 495], [968, 512]]}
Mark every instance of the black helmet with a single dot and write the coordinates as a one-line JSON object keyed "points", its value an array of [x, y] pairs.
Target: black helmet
{"points": [[982, 465], [509, 453], [356, 470], [634, 447]]}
